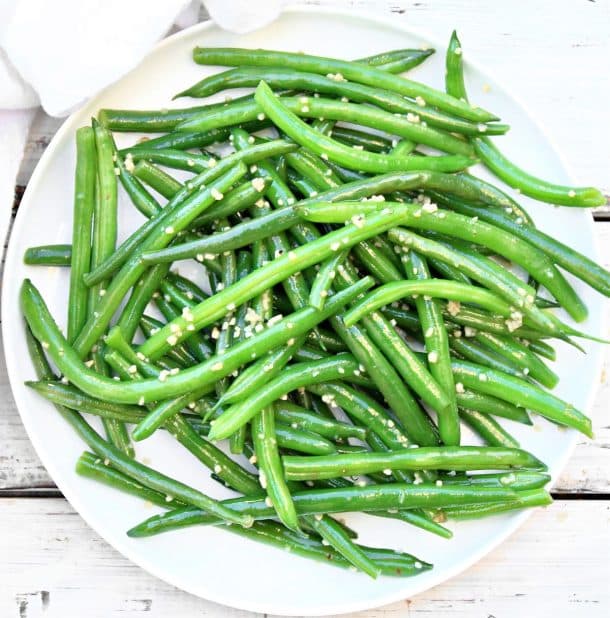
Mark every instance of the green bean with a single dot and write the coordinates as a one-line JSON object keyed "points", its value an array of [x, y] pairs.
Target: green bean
{"points": [[375, 261], [404, 147], [409, 57], [163, 231], [500, 165], [284, 218], [156, 178], [326, 147], [271, 475], [390, 563], [520, 392], [342, 69], [334, 534], [360, 139], [141, 295], [139, 196], [574, 262], [276, 271], [525, 499], [519, 480], [407, 127], [303, 441], [298, 418], [299, 375], [117, 459], [416, 424], [480, 402], [542, 190], [190, 290], [92, 467], [312, 168], [411, 370], [176, 159], [179, 354], [424, 458], [48, 255], [241, 198], [204, 374], [489, 430], [365, 410], [260, 372], [68, 396], [473, 351], [437, 348], [435, 288], [105, 210], [521, 356], [84, 199], [338, 500], [541, 348], [470, 229], [479, 268], [324, 279], [188, 191], [196, 344], [148, 121]]}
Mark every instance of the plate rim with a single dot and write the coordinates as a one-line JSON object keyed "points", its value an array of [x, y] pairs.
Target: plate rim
{"points": [[329, 608]]}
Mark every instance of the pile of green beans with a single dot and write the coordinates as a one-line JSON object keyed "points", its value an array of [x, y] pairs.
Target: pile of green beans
{"points": [[330, 256]]}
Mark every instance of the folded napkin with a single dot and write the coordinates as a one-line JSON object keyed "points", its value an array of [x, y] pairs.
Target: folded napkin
{"points": [[58, 54]]}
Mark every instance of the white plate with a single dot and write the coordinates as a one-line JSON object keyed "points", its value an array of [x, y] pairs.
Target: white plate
{"points": [[209, 562]]}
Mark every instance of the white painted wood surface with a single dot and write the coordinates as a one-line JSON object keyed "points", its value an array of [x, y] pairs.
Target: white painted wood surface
{"points": [[555, 57], [54, 565]]}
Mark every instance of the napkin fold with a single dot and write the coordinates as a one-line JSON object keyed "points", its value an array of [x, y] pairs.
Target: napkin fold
{"points": [[58, 54]]}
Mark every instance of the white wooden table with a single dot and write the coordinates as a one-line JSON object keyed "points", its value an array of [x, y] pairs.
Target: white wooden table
{"points": [[553, 55]]}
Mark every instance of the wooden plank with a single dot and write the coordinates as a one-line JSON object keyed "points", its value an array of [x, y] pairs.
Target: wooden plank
{"points": [[54, 565]]}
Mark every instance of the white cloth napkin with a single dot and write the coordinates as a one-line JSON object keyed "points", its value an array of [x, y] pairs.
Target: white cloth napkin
{"points": [[59, 53]]}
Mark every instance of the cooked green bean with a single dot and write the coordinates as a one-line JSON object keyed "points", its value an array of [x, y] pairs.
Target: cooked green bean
{"points": [[352, 158], [423, 458], [408, 127], [276, 271], [435, 288], [84, 200], [298, 418], [340, 70], [489, 430], [297, 376], [521, 356], [48, 255], [156, 178], [324, 279], [338, 500], [437, 348], [525, 499], [480, 402], [500, 165], [532, 259], [271, 475], [520, 392]]}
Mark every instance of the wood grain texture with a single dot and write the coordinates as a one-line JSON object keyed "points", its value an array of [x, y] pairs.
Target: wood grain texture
{"points": [[54, 566]]}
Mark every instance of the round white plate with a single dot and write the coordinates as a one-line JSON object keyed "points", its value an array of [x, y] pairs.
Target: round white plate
{"points": [[210, 562]]}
